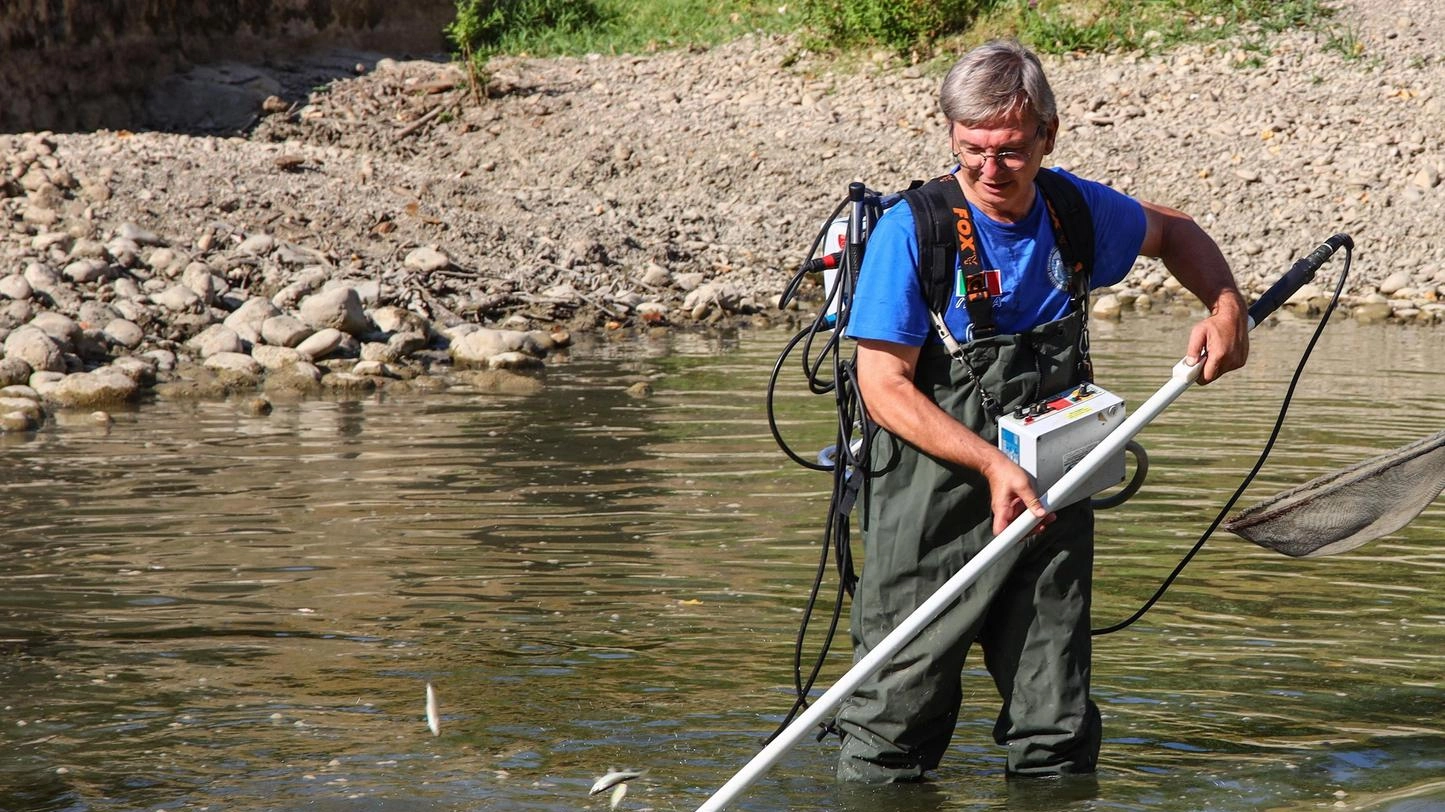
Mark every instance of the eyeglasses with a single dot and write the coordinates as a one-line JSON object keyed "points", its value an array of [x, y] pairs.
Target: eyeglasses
{"points": [[1011, 160]]}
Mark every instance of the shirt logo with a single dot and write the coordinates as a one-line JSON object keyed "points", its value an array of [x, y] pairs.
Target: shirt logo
{"points": [[1058, 272]]}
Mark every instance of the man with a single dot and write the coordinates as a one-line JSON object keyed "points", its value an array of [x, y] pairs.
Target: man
{"points": [[939, 489]]}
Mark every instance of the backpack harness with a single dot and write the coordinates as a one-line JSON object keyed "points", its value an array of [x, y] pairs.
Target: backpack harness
{"points": [[947, 241]]}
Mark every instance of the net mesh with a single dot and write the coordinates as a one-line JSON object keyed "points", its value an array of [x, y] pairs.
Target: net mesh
{"points": [[1342, 510]]}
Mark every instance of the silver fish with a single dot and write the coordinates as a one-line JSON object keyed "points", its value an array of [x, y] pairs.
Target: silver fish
{"points": [[618, 793], [614, 777], [433, 721]]}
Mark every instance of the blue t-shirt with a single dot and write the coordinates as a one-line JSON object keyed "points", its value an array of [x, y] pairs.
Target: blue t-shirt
{"points": [[888, 304]]}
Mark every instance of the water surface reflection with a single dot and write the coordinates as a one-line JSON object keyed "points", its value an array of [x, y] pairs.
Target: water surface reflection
{"points": [[202, 608]]}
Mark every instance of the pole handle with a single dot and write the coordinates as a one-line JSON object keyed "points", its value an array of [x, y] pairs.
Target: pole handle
{"points": [[1297, 277]]}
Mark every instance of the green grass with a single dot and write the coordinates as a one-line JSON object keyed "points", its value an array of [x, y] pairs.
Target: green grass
{"points": [[920, 28], [1147, 26], [575, 27]]}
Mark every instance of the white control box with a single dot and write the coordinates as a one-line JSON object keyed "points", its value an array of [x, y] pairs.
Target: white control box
{"points": [[1050, 437]]}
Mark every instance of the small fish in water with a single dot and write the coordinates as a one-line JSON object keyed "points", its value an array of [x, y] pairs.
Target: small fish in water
{"points": [[615, 777], [618, 793], [433, 721]]}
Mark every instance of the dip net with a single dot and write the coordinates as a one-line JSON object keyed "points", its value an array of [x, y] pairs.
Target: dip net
{"points": [[1342, 510]]}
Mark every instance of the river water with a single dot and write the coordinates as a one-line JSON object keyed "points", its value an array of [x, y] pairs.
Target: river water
{"points": [[204, 609]]}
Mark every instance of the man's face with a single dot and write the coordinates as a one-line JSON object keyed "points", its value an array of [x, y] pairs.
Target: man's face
{"points": [[999, 160]]}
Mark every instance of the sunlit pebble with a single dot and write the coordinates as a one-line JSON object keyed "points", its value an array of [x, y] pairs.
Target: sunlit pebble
{"points": [[62, 770], [614, 618]]}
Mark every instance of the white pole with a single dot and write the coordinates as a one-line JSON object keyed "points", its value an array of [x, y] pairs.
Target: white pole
{"points": [[1182, 377]]}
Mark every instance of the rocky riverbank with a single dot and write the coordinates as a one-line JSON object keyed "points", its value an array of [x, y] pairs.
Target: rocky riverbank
{"points": [[389, 228]]}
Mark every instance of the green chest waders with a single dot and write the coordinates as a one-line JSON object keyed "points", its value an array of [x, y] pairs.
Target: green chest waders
{"points": [[922, 521]]}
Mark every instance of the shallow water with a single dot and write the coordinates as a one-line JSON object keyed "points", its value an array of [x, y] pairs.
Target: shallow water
{"points": [[205, 609]]}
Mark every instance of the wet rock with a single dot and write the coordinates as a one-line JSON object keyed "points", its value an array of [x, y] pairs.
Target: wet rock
{"points": [[298, 379], [1107, 307], [28, 406], [498, 381], [19, 421], [140, 370], [235, 369], [88, 390], [514, 360], [480, 346]]}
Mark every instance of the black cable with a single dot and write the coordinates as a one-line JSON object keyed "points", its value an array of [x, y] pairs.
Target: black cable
{"points": [[772, 416], [1259, 464], [847, 462]]}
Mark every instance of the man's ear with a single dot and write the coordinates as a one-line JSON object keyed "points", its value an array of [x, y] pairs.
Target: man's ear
{"points": [[1050, 134]]}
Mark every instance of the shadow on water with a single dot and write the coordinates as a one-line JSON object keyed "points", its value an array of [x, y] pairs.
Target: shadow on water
{"points": [[203, 608]]}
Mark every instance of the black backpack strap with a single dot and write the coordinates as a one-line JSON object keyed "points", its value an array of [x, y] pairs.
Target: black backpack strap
{"points": [[1073, 228], [1074, 234], [933, 223], [947, 245]]}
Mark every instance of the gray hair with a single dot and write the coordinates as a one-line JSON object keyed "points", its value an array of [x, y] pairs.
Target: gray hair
{"points": [[996, 81]]}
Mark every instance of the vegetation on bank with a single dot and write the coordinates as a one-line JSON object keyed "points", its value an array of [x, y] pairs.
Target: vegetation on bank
{"points": [[917, 28]]}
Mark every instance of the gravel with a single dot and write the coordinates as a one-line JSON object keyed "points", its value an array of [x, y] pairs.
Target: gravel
{"points": [[645, 192]]}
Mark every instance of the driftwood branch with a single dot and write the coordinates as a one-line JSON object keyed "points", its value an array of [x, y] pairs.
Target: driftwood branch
{"points": [[419, 123]]}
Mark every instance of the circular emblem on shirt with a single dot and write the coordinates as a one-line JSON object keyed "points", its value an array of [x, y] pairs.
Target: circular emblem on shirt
{"points": [[1058, 273]]}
